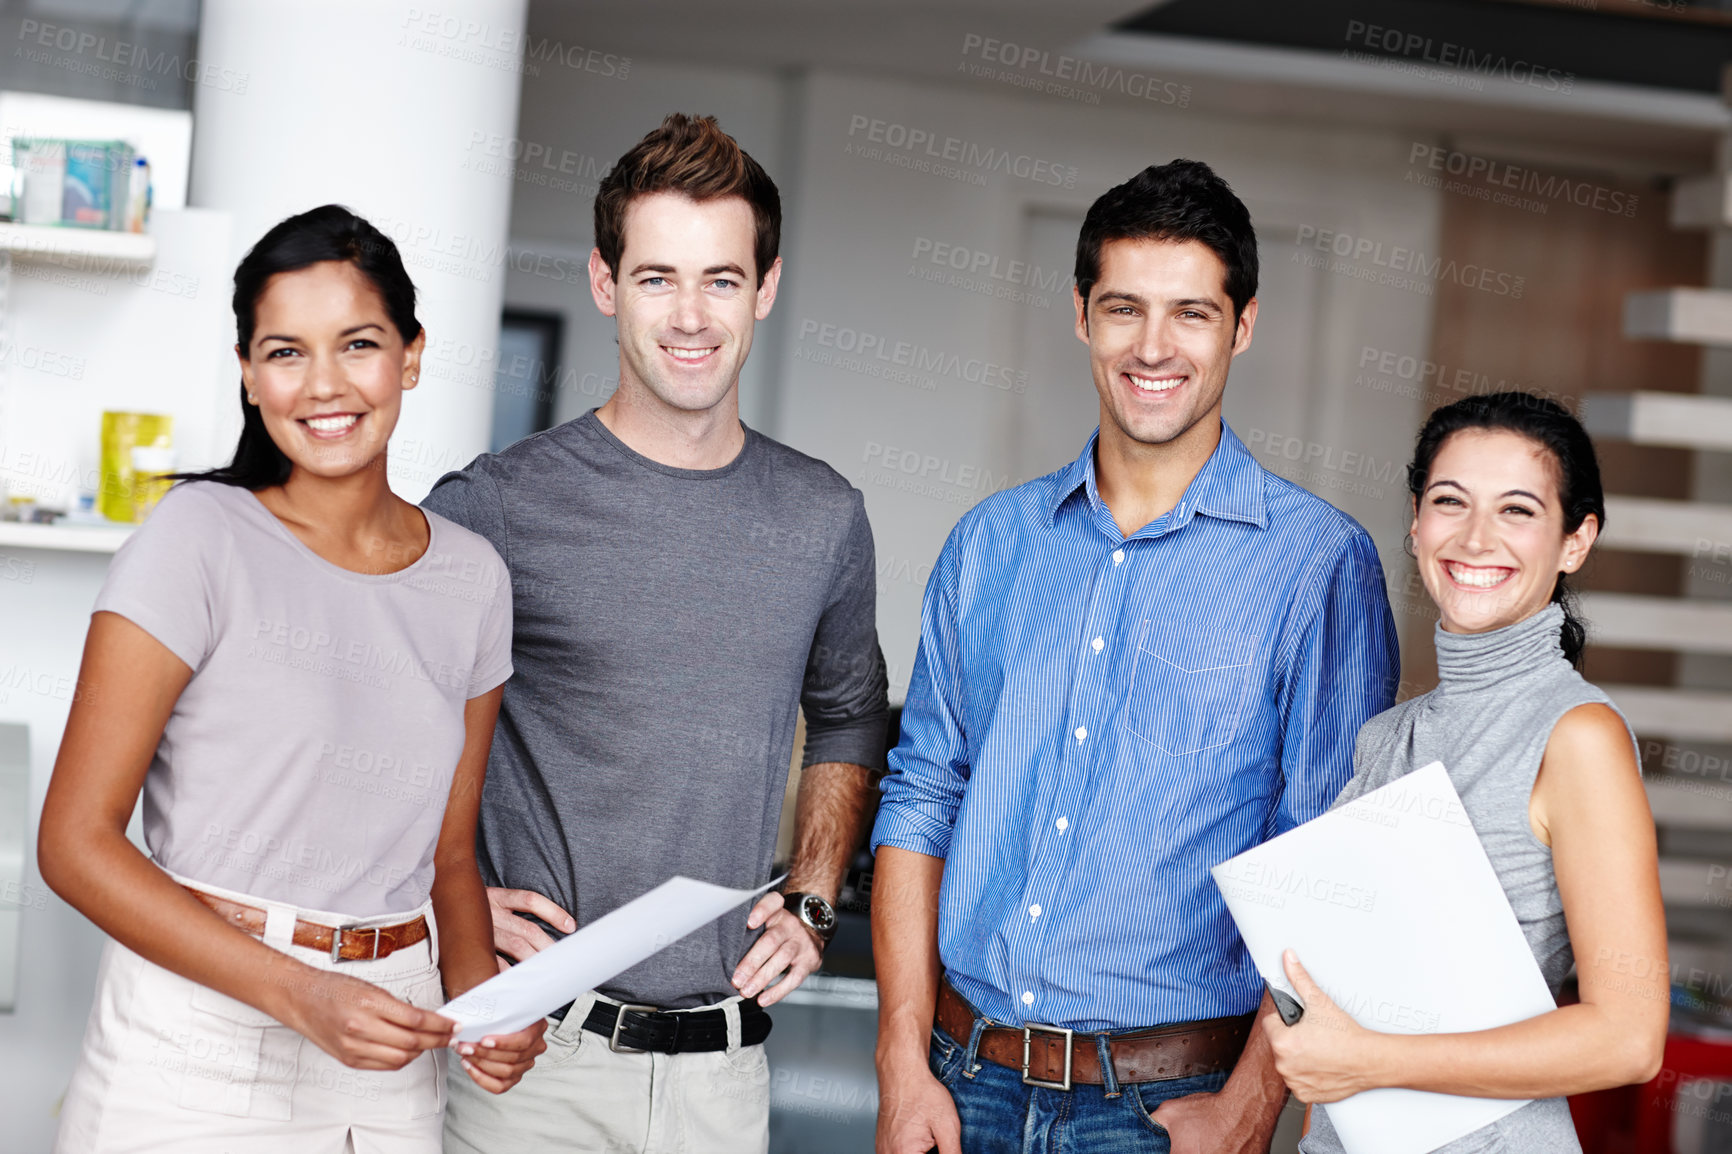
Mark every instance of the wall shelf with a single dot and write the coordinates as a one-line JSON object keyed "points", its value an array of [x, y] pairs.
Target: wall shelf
{"points": [[1685, 882], [1650, 525], [97, 249], [64, 538], [1691, 315], [1680, 420], [1703, 202], [1636, 621], [1689, 803], [1680, 714]]}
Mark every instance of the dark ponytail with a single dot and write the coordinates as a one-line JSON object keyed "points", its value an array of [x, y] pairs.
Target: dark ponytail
{"points": [[1549, 425], [330, 232]]}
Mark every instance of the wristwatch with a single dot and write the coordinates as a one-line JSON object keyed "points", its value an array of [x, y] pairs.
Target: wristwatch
{"points": [[814, 913]]}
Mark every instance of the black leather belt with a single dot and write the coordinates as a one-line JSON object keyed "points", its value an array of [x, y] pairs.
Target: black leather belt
{"points": [[634, 1028]]}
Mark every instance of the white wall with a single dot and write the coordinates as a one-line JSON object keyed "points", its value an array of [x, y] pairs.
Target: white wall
{"points": [[153, 340], [156, 341], [861, 230], [43, 613]]}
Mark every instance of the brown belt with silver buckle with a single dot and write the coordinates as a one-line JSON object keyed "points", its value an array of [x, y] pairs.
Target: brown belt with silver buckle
{"points": [[1057, 1058], [344, 945]]}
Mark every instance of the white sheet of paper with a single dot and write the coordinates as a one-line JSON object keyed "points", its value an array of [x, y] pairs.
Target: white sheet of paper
{"points": [[584, 960], [1393, 908]]}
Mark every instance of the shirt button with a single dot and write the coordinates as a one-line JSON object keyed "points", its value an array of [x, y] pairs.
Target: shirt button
{"points": [[1098, 644], [1027, 998], [1034, 910], [1063, 824], [1081, 733], [1118, 556]]}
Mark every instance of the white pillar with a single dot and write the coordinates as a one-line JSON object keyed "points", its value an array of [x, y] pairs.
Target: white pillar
{"points": [[387, 108]]}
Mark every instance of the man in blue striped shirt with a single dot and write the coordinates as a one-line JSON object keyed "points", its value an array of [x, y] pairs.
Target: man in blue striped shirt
{"points": [[1129, 670]]}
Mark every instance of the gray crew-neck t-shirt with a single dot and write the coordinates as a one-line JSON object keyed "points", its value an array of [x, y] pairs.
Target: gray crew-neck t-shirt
{"points": [[309, 758], [670, 624]]}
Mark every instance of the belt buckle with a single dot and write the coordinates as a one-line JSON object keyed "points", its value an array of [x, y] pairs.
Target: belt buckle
{"points": [[1061, 1031], [337, 944], [619, 1023]]}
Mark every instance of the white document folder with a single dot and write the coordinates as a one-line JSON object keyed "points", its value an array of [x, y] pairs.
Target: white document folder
{"points": [[1395, 911], [581, 961]]}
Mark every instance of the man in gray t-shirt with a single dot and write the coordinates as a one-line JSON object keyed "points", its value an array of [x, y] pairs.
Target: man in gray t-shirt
{"points": [[683, 587]]}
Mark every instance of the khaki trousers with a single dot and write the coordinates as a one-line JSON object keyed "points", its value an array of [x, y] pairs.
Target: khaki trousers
{"points": [[582, 1096], [173, 1066]]}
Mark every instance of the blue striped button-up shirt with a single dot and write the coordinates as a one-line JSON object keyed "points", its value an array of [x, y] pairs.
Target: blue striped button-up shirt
{"points": [[1095, 720]]}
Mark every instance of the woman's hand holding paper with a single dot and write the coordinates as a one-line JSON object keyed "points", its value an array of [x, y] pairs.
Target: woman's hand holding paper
{"points": [[498, 1061], [1327, 1056], [357, 1023]]}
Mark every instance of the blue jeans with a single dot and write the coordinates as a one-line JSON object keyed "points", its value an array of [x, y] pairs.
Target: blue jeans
{"points": [[1001, 1115]]}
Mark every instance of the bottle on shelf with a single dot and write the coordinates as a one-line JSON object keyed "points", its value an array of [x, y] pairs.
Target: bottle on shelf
{"points": [[138, 196]]}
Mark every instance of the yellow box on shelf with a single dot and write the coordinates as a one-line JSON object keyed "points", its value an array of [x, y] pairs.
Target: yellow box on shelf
{"points": [[137, 449]]}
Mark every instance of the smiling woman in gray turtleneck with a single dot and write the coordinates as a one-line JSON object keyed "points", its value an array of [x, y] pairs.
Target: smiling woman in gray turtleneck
{"points": [[1507, 501]]}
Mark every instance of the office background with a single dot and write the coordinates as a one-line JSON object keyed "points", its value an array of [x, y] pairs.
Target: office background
{"points": [[1451, 196]]}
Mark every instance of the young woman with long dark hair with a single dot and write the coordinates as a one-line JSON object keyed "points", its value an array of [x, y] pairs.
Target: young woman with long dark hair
{"points": [[1506, 504], [300, 671]]}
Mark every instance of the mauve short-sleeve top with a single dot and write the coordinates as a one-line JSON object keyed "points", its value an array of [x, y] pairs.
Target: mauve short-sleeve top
{"points": [[309, 759]]}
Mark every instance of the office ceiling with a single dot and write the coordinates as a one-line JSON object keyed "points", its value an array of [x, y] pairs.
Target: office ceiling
{"points": [[1658, 44], [1670, 44], [1643, 100], [899, 36]]}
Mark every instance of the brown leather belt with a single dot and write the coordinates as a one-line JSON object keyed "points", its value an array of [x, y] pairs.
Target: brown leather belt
{"points": [[344, 945], [1054, 1057]]}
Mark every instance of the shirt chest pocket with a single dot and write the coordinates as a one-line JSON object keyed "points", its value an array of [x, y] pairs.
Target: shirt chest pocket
{"points": [[1189, 687]]}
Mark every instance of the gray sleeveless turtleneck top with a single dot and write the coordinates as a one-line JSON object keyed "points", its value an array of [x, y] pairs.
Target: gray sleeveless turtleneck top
{"points": [[1498, 696]]}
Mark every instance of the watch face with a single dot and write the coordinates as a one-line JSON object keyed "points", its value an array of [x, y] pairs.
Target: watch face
{"points": [[816, 912]]}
